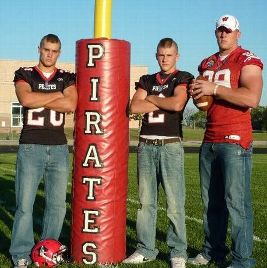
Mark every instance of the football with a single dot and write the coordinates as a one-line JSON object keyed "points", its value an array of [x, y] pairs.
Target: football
{"points": [[204, 102]]}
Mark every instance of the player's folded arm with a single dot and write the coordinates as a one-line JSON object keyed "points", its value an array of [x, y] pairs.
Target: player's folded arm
{"points": [[30, 99], [66, 104], [139, 104], [172, 103]]}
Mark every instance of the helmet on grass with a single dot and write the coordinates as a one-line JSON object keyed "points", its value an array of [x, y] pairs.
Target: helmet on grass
{"points": [[48, 252]]}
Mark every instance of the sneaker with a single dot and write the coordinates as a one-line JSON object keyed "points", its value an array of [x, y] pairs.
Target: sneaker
{"points": [[22, 263], [136, 258], [198, 260], [178, 262]]}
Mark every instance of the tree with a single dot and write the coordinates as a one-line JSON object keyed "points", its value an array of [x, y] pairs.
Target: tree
{"points": [[187, 116], [259, 118], [138, 117], [199, 119]]}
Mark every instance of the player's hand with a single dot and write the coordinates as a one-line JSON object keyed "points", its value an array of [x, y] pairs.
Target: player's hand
{"points": [[199, 88]]}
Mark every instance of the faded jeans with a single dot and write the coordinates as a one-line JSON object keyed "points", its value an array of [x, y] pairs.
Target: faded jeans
{"points": [[165, 165], [225, 172], [35, 162]]}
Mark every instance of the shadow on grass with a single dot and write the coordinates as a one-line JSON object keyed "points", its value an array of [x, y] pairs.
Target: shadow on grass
{"points": [[160, 236], [7, 212]]}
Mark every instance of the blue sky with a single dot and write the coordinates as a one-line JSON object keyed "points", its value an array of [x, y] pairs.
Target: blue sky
{"points": [[141, 22]]}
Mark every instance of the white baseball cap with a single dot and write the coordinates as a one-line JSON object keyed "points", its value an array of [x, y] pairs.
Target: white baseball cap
{"points": [[228, 21]]}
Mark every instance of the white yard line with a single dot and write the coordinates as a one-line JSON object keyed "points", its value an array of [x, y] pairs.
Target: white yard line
{"points": [[255, 238]]}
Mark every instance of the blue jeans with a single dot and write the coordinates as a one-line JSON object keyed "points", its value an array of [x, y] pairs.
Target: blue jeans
{"points": [[165, 165], [35, 162], [225, 172]]}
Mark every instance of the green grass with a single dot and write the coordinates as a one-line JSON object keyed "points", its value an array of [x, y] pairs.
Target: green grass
{"points": [[193, 211], [190, 134], [196, 134], [260, 136]]}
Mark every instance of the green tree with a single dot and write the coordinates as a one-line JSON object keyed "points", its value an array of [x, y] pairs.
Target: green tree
{"points": [[187, 116], [199, 119], [264, 119], [259, 118], [138, 117]]}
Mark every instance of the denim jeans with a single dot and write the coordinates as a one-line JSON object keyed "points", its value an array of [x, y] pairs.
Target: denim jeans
{"points": [[35, 162], [225, 172], [165, 165]]}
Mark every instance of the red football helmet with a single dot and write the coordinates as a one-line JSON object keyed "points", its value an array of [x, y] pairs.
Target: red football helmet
{"points": [[48, 252]]}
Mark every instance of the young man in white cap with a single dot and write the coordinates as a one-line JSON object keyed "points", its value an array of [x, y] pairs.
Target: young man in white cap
{"points": [[235, 81]]}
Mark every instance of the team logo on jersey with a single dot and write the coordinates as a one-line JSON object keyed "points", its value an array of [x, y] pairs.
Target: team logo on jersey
{"points": [[47, 86], [210, 63], [159, 88], [250, 56]]}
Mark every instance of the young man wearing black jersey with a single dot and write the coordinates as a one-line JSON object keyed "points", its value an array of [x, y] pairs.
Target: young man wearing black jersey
{"points": [[161, 97], [45, 93]]}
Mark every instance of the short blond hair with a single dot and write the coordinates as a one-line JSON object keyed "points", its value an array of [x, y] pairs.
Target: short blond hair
{"points": [[52, 38], [167, 42]]}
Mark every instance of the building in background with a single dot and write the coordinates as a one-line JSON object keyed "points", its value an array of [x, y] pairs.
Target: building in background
{"points": [[11, 110]]}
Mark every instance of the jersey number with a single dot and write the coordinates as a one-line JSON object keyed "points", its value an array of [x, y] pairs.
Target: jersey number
{"points": [[222, 77], [160, 118], [39, 119]]}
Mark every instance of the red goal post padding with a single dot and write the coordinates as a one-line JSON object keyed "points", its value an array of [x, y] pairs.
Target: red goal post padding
{"points": [[100, 175]]}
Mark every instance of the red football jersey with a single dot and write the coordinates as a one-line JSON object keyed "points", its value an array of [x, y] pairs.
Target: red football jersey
{"points": [[227, 122]]}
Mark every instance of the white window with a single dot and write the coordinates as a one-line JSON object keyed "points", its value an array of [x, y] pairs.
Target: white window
{"points": [[17, 116]]}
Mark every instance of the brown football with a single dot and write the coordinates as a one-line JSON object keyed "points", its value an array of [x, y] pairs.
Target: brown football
{"points": [[204, 102]]}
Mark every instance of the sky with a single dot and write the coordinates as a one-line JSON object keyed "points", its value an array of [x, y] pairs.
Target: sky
{"points": [[141, 22]]}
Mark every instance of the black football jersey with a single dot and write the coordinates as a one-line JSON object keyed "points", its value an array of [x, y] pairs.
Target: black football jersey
{"points": [[163, 122], [42, 125]]}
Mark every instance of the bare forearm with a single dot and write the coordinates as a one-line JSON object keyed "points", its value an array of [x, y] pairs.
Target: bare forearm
{"points": [[142, 106], [66, 104], [170, 103], [242, 96], [63, 105], [37, 99]]}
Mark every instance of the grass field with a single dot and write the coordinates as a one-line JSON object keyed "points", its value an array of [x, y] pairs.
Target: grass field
{"points": [[193, 211], [189, 134], [196, 134]]}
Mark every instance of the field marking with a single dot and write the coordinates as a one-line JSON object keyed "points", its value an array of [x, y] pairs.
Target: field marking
{"points": [[255, 238]]}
